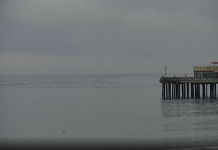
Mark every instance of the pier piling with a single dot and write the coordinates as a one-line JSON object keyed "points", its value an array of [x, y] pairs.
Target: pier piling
{"points": [[192, 91], [169, 90], [203, 90], [181, 87], [187, 90], [206, 90]]}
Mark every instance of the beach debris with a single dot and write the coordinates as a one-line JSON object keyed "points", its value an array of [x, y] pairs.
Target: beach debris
{"points": [[36, 102]]}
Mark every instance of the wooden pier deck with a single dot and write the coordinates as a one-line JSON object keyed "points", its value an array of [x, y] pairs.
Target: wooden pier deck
{"points": [[188, 87]]}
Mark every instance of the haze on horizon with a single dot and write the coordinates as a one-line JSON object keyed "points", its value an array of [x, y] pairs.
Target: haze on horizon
{"points": [[106, 36]]}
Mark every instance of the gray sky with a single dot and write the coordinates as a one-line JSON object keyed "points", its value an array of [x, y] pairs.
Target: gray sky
{"points": [[106, 36]]}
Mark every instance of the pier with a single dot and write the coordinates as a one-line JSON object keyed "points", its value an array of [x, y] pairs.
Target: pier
{"points": [[188, 87], [204, 79]]}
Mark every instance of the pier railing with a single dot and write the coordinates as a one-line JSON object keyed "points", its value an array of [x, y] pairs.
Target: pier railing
{"points": [[187, 80]]}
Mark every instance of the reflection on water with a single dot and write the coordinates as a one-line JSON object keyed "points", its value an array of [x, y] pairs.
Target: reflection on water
{"points": [[189, 107], [195, 118]]}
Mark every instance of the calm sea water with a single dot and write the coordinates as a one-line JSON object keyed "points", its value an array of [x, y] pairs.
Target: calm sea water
{"points": [[99, 106]]}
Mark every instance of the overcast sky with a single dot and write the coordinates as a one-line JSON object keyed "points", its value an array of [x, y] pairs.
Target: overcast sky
{"points": [[106, 36]]}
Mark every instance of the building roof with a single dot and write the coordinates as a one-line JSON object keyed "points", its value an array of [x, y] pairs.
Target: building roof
{"points": [[214, 62]]}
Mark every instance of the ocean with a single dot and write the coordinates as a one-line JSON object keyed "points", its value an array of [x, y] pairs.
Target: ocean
{"points": [[108, 106]]}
